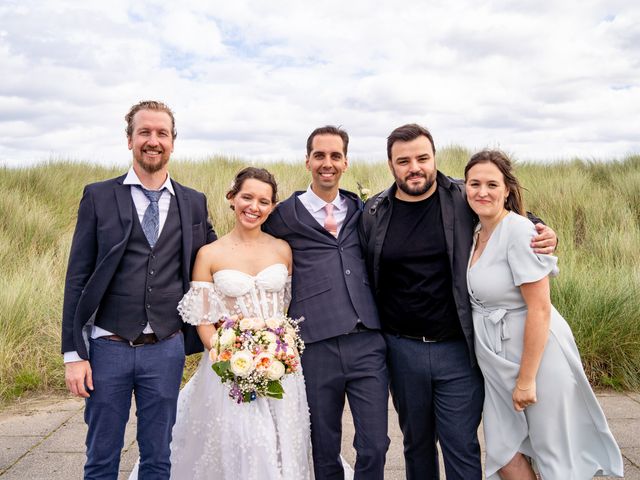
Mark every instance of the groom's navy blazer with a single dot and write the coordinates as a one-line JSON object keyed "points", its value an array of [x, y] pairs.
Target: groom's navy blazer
{"points": [[330, 289], [330, 286], [105, 221]]}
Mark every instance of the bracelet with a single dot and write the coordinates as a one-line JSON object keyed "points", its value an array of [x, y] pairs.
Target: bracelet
{"points": [[524, 389]]}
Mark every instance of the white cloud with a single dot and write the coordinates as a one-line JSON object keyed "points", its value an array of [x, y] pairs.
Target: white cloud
{"points": [[252, 79]]}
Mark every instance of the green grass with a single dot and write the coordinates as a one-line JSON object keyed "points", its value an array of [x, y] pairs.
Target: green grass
{"points": [[594, 207]]}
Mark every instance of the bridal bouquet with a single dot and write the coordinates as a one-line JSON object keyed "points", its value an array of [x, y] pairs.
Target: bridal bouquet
{"points": [[252, 355]]}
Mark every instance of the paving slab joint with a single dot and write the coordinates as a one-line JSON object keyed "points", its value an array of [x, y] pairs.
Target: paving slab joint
{"points": [[37, 444], [628, 459], [632, 397]]}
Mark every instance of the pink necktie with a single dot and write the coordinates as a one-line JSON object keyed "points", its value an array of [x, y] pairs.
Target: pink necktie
{"points": [[330, 223]]}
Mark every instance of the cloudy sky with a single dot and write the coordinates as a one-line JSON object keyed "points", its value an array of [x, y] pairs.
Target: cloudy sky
{"points": [[540, 79]]}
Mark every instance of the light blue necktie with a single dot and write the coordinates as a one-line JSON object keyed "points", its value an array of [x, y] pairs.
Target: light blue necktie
{"points": [[151, 218]]}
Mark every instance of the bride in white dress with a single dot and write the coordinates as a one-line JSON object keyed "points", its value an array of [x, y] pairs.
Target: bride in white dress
{"points": [[214, 437]]}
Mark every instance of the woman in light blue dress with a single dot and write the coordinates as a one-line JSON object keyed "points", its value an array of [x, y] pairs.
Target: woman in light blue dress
{"points": [[538, 401]]}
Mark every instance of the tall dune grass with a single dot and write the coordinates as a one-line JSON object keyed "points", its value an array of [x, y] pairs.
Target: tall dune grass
{"points": [[594, 207]]}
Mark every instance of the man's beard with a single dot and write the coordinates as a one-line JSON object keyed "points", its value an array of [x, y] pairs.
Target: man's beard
{"points": [[152, 167], [418, 189]]}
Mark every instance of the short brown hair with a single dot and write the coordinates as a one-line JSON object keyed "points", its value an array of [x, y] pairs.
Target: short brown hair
{"points": [[500, 159], [406, 133], [329, 130], [261, 174], [149, 105]]}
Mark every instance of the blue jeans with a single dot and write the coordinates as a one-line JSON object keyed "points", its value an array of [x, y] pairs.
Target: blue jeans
{"points": [[153, 373], [438, 397]]}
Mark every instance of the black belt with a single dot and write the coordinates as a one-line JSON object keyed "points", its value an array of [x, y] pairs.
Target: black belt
{"points": [[422, 339], [142, 339]]}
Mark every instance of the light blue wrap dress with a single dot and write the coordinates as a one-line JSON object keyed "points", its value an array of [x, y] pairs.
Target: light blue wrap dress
{"points": [[565, 432]]}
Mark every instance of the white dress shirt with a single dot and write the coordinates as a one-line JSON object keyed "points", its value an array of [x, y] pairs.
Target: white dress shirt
{"points": [[141, 203], [315, 205]]}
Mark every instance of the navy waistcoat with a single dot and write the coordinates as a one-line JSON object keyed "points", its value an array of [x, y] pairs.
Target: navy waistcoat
{"points": [[147, 284]]}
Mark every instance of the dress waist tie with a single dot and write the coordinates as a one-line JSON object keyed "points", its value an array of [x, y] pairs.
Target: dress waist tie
{"points": [[498, 317]]}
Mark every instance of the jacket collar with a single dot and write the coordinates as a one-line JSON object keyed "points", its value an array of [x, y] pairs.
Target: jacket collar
{"points": [[131, 178], [289, 213], [441, 180]]}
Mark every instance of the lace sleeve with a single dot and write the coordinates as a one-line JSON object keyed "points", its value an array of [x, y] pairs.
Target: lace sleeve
{"points": [[199, 306]]}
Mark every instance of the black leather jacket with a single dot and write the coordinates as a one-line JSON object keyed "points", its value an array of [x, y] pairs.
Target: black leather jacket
{"points": [[458, 221]]}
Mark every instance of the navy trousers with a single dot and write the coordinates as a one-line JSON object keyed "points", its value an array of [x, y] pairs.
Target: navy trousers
{"points": [[153, 373], [438, 397], [355, 365]]}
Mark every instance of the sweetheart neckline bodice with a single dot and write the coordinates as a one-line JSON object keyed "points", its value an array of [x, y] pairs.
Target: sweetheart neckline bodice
{"points": [[265, 269]]}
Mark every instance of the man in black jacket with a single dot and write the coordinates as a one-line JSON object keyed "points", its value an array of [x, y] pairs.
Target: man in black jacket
{"points": [[417, 237]]}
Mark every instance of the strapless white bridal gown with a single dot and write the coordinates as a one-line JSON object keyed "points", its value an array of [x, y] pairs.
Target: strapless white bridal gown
{"points": [[216, 438]]}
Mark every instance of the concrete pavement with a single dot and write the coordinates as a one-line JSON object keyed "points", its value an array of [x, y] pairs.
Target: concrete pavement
{"points": [[43, 438]]}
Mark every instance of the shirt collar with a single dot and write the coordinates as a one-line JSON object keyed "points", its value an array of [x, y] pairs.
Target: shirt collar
{"points": [[318, 204], [132, 179]]}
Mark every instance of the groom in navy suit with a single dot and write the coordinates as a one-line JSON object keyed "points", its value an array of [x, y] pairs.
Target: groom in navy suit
{"points": [[345, 352], [130, 263]]}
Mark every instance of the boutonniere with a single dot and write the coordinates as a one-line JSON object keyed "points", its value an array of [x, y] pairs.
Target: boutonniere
{"points": [[363, 192]]}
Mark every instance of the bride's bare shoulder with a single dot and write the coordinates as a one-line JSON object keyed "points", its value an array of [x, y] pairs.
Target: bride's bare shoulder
{"points": [[214, 249], [214, 256], [281, 249], [278, 244]]}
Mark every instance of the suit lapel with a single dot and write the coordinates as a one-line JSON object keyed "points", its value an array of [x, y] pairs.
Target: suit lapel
{"points": [[298, 220], [352, 208], [184, 207], [305, 219], [125, 207]]}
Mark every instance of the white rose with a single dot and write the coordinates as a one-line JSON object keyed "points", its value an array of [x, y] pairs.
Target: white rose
{"points": [[273, 322], [275, 370], [246, 323], [214, 339], [258, 323], [263, 361], [228, 337], [269, 337], [271, 348], [242, 363]]}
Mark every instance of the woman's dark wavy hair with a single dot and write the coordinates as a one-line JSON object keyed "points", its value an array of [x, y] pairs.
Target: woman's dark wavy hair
{"points": [[257, 173], [514, 201]]}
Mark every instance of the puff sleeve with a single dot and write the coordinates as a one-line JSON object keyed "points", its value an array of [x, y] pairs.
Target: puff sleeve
{"points": [[200, 305], [527, 266]]}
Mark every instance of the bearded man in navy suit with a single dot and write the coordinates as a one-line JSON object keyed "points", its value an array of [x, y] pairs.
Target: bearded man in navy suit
{"points": [[132, 253], [345, 352]]}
